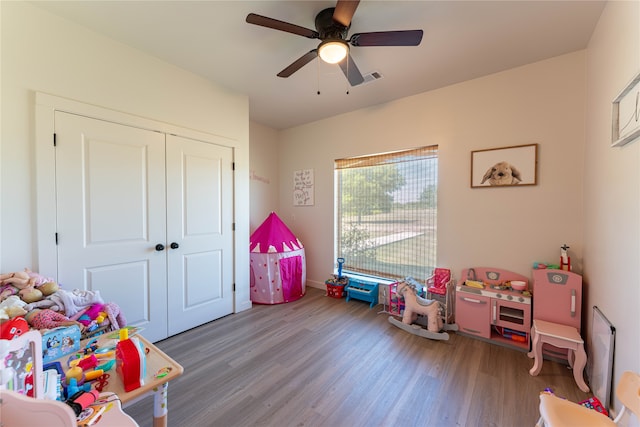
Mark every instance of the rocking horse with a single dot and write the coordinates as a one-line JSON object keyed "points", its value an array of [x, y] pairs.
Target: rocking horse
{"points": [[415, 305]]}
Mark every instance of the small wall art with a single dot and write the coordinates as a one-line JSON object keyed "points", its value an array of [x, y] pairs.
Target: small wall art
{"points": [[504, 167], [303, 187], [626, 114]]}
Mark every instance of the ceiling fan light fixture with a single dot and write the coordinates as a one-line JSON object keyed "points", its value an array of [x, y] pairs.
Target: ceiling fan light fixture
{"points": [[333, 51]]}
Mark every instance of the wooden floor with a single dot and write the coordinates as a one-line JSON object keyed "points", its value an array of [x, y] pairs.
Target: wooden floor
{"points": [[321, 361]]}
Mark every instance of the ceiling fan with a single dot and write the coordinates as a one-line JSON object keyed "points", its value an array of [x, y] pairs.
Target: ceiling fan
{"points": [[332, 25]]}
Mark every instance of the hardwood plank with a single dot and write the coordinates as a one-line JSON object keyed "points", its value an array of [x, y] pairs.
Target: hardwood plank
{"points": [[321, 361]]}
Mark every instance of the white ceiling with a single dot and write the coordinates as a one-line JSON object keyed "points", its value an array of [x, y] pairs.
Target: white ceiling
{"points": [[462, 40]]}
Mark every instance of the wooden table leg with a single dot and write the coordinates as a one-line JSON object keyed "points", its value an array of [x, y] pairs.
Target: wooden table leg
{"points": [[536, 352], [578, 367], [160, 406]]}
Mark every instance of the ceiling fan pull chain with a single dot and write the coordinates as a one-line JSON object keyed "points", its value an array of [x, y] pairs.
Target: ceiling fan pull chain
{"points": [[318, 77], [347, 59]]}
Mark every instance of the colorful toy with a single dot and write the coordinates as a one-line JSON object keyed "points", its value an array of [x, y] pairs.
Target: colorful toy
{"points": [[13, 328], [130, 361], [565, 259], [362, 290], [74, 373], [73, 387], [340, 262]]}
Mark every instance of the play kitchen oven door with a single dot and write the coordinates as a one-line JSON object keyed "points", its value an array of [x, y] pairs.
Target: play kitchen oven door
{"points": [[511, 322]]}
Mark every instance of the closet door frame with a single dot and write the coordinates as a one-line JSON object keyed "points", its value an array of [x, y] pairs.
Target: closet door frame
{"points": [[45, 107]]}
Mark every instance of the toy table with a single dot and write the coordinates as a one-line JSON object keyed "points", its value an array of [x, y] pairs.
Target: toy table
{"points": [[156, 385]]}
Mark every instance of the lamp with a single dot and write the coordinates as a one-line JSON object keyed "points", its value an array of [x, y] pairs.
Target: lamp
{"points": [[333, 51]]}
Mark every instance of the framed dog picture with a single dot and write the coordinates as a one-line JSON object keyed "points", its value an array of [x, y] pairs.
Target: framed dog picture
{"points": [[506, 166]]}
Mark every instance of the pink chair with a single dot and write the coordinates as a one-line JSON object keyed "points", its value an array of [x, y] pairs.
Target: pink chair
{"points": [[440, 287], [437, 284]]}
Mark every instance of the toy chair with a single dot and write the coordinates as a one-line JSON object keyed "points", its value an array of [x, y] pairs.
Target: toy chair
{"points": [[440, 287], [20, 410], [555, 411]]}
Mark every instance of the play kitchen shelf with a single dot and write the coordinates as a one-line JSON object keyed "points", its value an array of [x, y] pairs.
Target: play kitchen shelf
{"points": [[488, 308]]}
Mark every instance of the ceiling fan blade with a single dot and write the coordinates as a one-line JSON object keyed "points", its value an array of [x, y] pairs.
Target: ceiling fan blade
{"points": [[299, 63], [351, 71], [387, 38], [344, 11], [263, 21]]}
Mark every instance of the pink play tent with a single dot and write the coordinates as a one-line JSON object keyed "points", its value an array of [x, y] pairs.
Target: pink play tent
{"points": [[278, 266]]}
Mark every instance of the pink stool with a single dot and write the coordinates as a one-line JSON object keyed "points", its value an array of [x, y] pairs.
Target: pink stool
{"points": [[561, 336]]}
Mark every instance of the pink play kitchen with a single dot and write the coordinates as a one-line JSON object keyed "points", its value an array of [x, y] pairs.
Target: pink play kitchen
{"points": [[489, 306], [498, 305]]}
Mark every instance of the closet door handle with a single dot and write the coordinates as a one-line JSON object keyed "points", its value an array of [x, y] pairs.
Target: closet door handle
{"points": [[174, 245], [159, 247]]}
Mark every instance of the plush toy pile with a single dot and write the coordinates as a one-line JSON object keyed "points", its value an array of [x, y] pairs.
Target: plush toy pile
{"points": [[43, 304]]}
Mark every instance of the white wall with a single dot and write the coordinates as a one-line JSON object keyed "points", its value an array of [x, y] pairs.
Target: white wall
{"points": [[265, 164], [612, 185], [510, 228], [41, 52]]}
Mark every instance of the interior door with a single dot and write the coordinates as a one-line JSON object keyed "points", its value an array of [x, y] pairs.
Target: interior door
{"points": [[111, 214], [200, 232]]}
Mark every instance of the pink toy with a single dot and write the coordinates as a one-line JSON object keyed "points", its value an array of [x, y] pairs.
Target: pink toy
{"points": [[437, 283], [88, 362], [415, 305], [92, 313]]}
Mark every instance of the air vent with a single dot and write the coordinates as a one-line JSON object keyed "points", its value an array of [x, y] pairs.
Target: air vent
{"points": [[373, 76]]}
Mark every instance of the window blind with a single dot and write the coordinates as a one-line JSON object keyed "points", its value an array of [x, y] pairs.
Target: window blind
{"points": [[386, 213]]}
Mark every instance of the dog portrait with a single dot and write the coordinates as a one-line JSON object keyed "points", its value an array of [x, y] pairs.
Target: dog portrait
{"points": [[502, 173], [504, 167]]}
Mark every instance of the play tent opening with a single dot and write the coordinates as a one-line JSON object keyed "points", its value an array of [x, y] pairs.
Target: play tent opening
{"points": [[278, 265]]}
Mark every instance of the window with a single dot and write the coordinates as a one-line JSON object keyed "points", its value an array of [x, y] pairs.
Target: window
{"points": [[386, 213]]}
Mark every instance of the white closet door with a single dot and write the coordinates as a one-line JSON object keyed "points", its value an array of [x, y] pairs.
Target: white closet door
{"points": [[199, 232], [111, 210]]}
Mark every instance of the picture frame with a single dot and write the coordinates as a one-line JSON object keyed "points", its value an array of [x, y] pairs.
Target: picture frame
{"points": [[626, 114], [515, 165]]}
